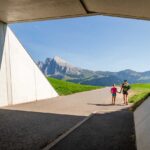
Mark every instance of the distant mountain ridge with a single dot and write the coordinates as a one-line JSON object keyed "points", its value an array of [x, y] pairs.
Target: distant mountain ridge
{"points": [[59, 68]]}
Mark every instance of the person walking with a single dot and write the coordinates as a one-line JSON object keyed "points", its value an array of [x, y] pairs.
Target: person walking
{"points": [[124, 89], [114, 93]]}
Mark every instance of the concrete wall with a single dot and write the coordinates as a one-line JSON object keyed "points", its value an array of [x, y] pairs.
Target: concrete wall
{"points": [[142, 126], [3, 68], [20, 79]]}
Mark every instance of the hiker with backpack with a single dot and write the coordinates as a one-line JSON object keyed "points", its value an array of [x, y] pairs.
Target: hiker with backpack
{"points": [[125, 87]]}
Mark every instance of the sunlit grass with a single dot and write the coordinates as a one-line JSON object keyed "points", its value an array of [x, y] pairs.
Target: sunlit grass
{"points": [[141, 92], [66, 88]]}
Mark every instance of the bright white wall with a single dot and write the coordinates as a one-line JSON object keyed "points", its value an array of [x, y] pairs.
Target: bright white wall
{"points": [[3, 83], [142, 126], [21, 80], [22, 72], [41, 84]]}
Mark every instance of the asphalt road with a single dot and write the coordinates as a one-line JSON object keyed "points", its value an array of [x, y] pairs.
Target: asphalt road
{"points": [[33, 125], [80, 104], [107, 131]]}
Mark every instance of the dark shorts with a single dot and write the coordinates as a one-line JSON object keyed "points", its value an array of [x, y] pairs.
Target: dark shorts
{"points": [[114, 95], [125, 93]]}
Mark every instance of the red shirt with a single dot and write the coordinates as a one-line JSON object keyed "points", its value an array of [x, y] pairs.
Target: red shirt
{"points": [[113, 90]]}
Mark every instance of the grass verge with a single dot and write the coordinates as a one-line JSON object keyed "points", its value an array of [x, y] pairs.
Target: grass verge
{"points": [[65, 88], [141, 93]]}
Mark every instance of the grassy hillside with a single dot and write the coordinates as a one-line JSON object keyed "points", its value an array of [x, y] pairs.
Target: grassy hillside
{"points": [[141, 92], [66, 88]]}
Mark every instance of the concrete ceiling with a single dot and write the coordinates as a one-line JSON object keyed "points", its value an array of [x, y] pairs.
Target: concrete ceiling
{"points": [[30, 10]]}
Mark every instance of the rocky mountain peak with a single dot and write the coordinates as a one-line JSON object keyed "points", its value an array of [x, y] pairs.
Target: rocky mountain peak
{"points": [[59, 59], [48, 60], [59, 68]]}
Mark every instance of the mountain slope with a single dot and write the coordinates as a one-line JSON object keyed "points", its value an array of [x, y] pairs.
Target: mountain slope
{"points": [[58, 68]]}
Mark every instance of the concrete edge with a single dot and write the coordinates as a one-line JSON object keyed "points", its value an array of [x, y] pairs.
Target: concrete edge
{"points": [[57, 140]]}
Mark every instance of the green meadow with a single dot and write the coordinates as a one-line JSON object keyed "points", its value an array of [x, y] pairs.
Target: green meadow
{"points": [[140, 93], [65, 88]]}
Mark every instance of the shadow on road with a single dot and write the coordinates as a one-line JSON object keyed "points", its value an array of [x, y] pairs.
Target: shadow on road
{"points": [[109, 131], [21, 130], [106, 104]]}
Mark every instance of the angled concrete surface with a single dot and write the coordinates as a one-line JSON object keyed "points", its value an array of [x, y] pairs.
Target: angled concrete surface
{"points": [[30, 10], [122, 8], [20, 78]]}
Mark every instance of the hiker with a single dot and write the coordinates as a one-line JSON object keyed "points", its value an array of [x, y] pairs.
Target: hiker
{"points": [[124, 89], [114, 93]]}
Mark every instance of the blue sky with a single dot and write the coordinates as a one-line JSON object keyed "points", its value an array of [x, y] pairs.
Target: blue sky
{"points": [[96, 43]]}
